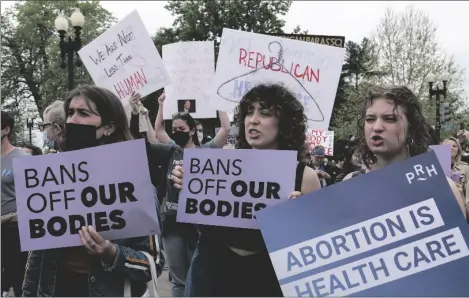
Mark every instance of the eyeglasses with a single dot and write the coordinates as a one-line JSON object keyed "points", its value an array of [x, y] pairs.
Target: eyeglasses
{"points": [[44, 126]]}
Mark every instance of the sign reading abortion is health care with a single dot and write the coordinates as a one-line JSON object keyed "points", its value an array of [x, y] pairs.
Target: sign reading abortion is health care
{"points": [[227, 187], [398, 231], [124, 59], [96, 186]]}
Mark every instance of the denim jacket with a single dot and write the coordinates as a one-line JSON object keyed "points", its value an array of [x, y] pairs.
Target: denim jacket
{"points": [[103, 280]]}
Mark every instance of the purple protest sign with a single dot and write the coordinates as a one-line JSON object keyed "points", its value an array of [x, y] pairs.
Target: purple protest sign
{"points": [[443, 153], [226, 187], [108, 187]]}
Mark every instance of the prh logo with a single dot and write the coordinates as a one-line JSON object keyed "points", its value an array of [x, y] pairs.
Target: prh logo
{"points": [[421, 173]]}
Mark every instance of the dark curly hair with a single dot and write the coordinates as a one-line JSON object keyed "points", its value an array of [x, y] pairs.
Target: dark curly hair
{"points": [[290, 112], [186, 117], [418, 137]]}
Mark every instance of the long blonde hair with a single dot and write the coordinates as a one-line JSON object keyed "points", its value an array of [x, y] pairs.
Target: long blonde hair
{"points": [[459, 154]]}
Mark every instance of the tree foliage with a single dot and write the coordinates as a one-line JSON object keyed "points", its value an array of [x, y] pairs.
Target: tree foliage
{"points": [[31, 70], [360, 64], [408, 51], [205, 19]]}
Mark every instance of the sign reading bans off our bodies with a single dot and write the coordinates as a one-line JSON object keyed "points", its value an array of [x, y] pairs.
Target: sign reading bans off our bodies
{"points": [[227, 187], [63, 192], [388, 240], [124, 59]]}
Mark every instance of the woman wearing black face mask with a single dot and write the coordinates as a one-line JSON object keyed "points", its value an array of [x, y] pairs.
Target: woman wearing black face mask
{"points": [[100, 267], [179, 239]]}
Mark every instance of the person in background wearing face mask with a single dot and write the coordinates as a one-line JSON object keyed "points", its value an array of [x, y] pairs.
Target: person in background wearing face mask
{"points": [[53, 126], [180, 239], [13, 260], [200, 131]]}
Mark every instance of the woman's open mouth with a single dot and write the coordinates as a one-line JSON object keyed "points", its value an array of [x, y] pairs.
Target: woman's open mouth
{"points": [[377, 141]]}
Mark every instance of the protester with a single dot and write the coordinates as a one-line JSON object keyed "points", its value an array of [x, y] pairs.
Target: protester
{"points": [[144, 129], [350, 163], [95, 117], [318, 164], [53, 126], [13, 260], [200, 132], [180, 239], [233, 261], [459, 168], [31, 149], [392, 128]]}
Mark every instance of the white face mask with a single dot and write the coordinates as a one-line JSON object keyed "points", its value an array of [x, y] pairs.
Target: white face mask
{"points": [[200, 135]]}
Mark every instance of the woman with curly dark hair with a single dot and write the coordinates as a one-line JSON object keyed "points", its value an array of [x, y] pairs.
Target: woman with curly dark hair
{"points": [[392, 128], [234, 261]]}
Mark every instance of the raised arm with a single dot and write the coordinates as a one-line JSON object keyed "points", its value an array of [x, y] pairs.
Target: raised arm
{"points": [[222, 136], [160, 132]]}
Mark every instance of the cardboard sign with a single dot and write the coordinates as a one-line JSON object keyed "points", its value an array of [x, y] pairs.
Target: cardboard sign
{"points": [[318, 137], [227, 187], [60, 193], [397, 231], [310, 71], [328, 40], [124, 59], [234, 131], [191, 66], [443, 153]]}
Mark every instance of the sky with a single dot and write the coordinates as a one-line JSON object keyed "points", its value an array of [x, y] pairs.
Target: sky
{"points": [[352, 19]]}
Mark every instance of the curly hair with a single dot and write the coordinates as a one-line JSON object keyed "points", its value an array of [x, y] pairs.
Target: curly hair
{"points": [[290, 112], [418, 137]]}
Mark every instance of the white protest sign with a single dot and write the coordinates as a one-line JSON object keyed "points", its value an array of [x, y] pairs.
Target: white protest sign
{"points": [[60, 193], [234, 131], [311, 71], [318, 137], [124, 59], [191, 66]]}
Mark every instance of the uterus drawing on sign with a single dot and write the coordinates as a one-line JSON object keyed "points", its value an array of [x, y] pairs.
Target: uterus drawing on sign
{"points": [[234, 89]]}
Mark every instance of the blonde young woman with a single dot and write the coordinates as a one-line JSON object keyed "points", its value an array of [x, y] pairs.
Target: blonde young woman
{"points": [[459, 168], [392, 128]]}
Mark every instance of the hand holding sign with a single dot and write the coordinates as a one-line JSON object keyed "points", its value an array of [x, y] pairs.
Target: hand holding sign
{"points": [[96, 245], [178, 173], [294, 195], [134, 102], [161, 98]]}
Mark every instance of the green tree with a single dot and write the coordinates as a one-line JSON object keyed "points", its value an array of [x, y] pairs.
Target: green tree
{"points": [[31, 70], [360, 64], [408, 51], [205, 19]]}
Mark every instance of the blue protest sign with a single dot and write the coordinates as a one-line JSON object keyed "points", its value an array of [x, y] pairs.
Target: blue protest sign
{"points": [[397, 231]]}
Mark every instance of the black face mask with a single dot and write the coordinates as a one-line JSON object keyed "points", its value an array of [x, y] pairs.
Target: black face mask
{"points": [[180, 137], [80, 136]]}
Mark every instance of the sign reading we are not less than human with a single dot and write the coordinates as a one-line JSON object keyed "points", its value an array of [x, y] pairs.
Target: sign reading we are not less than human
{"points": [[124, 59], [227, 187], [63, 192], [405, 236]]}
